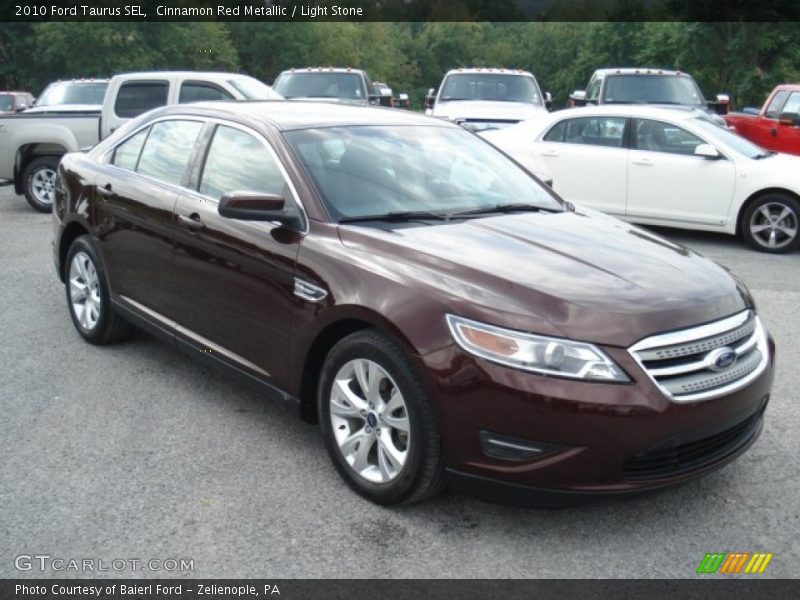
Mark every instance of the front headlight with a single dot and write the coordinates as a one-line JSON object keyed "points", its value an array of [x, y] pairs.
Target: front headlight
{"points": [[551, 356]]}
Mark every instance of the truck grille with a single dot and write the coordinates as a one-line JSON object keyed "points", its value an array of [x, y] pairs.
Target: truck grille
{"points": [[706, 361], [671, 458]]}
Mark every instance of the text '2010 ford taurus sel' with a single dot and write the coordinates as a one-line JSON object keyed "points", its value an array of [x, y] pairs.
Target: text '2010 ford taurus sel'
{"points": [[444, 316]]}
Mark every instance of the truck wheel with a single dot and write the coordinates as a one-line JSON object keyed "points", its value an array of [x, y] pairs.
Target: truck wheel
{"points": [[378, 421], [770, 224], [39, 181]]}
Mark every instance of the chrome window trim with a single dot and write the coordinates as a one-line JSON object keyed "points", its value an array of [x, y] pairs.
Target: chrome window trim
{"points": [[105, 158], [692, 334]]}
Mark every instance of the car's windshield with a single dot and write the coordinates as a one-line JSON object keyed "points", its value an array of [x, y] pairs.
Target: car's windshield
{"points": [[380, 170], [6, 102], [731, 139], [73, 93], [253, 89], [322, 84], [489, 86], [652, 89]]}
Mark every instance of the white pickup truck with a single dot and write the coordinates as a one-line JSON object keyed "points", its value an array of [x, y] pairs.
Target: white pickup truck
{"points": [[481, 99], [31, 145]]}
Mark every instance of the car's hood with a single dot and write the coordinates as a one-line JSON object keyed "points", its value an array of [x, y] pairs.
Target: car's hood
{"points": [[487, 109], [577, 274], [326, 99]]}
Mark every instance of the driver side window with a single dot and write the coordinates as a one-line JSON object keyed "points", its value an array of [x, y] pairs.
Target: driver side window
{"points": [[657, 136]]}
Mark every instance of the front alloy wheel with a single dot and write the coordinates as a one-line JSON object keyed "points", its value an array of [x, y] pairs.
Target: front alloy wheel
{"points": [[39, 182], [771, 224], [370, 420], [378, 420]]}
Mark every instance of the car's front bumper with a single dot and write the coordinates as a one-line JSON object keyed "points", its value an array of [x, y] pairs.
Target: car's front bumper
{"points": [[604, 440]]}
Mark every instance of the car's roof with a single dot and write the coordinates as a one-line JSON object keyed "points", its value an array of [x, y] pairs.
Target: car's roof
{"points": [[288, 114], [672, 113], [207, 75], [491, 70], [323, 70], [78, 81], [638, 71]]}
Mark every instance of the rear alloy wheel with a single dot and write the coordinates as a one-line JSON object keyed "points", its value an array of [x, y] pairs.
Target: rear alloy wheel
{"points": [[88, 298], [378, 421], [39, 183], [770, 224]]}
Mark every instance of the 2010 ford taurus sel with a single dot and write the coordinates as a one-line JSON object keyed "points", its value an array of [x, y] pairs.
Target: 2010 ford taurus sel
{"points": [[445, 317]]}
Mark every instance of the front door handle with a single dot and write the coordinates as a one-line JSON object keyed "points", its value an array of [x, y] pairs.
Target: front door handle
{"points": [[645, 162], [106, 190], [551, 153], [773, 132], [192, 222]]}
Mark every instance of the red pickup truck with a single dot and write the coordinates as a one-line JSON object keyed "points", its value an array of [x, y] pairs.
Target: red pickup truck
{"points": [[777, 125]]}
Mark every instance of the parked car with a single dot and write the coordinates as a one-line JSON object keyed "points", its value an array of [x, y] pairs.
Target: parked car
{"points": [[76, 95], [14, 102], [665, 166], [776, 126], [648, 86], [32, 144], [444, 316], [327, 84], [385, 94], [481, 99]]}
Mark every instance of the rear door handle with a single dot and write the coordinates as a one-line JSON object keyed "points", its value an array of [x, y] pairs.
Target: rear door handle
{"points": [[192, 222], [551, 153], [645, 162]]}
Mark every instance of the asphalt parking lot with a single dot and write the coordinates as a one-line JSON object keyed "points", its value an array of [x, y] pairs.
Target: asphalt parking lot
{"points": [[136, 451]]}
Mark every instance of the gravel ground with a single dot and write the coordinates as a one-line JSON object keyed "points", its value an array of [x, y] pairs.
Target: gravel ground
{"points": [[137, 452]]}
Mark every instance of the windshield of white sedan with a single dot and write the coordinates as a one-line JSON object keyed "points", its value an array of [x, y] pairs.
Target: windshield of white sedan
{"points": [[396, 171], [735, 141], [488, 86], [652, 89]]}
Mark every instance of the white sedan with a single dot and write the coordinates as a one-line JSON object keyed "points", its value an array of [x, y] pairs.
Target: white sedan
{"points": [[664, 166]]}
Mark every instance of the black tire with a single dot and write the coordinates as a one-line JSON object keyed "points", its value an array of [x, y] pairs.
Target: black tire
{"points": [[756, 216], [109, 327], [422, 474], [31, 184]]}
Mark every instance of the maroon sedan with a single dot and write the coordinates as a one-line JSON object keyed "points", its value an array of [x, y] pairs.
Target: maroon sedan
{"points": [[445, 317]]}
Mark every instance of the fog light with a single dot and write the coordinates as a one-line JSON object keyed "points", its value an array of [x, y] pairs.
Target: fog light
{"points": [[513, 449]]}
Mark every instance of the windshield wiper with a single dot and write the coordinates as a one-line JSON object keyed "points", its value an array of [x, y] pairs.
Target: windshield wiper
{"points": [[406, 215], [501, 208]]}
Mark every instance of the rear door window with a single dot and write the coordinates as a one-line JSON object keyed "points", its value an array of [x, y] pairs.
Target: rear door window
{"points": [[138, 97], [201, 92], [127, 153], [168, 149], [595, 131]]}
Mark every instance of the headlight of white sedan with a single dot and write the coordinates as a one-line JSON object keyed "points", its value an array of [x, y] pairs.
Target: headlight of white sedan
{"points": [[540, 354]]}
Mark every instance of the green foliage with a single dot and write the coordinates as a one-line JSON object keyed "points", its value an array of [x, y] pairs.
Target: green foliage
{"points": [[745, 59]]}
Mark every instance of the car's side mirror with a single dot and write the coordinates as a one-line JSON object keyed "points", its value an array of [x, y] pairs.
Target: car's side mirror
{"points": [[721, 104], [577, 98], [707, 151], [254, 206], [374, 99], [790, 119], [430, 98], [21, 107], [403, 101], [548, 100]]}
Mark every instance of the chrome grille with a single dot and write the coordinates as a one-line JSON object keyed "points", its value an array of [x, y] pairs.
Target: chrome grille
{"points": [[683, 363]]}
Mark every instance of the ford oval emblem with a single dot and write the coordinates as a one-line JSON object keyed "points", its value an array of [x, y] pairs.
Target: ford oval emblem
{"points": [[721, 358]]}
